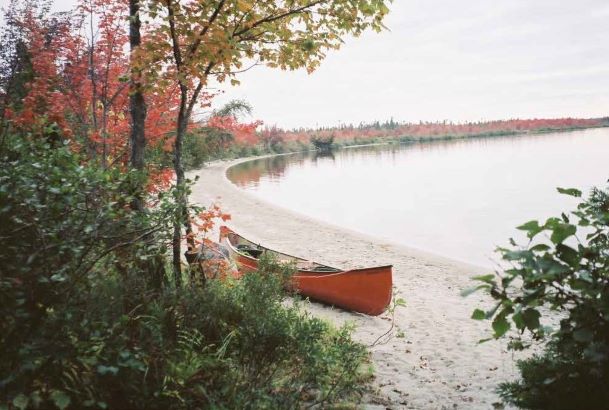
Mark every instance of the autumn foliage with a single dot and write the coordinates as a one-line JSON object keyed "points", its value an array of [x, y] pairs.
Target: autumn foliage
{"points": [[430, 130], [79, 85], [243, 133], [79, 82], [44, 102]]}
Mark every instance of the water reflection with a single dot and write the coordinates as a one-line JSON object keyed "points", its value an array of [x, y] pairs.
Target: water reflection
{"points": [[460, 198], [321, 155], [249, 173]]}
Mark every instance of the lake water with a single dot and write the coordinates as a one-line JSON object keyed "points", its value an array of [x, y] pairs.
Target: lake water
{"points": [[458, 198]]}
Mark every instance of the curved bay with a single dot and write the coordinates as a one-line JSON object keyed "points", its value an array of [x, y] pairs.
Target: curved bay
{"points": [[457, 198]]}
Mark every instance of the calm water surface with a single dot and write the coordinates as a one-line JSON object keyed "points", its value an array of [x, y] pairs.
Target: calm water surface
{"points": [[459, 199]]}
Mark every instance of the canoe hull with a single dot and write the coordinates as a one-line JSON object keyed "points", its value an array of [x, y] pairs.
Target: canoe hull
{"points": [[366, 290], [362, 290]]}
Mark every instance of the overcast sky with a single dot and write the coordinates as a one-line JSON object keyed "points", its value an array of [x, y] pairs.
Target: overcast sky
{"points": [[443, 59]]}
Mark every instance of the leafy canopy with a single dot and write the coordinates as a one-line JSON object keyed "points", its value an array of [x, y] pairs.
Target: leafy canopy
{"points": [[219, 37]]}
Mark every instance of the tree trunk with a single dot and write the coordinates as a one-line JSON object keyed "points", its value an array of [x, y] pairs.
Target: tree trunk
{"points": [[182, 198], [137, 138], [137, 104], [104, 133], [93, 79], [180, 182]]}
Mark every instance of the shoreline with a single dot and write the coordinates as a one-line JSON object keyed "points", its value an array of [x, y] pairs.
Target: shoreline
{"points": [[416, 252], [438, 362], [409, 139]]}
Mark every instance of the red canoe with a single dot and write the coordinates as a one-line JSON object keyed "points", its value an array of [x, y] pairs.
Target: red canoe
{"points": [[362, 290]]}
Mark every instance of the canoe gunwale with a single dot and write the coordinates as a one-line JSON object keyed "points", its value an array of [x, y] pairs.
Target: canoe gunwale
{"points": [[296, 258]]}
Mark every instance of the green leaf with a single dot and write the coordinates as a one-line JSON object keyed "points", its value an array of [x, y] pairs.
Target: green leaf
{"points": [[469, 291], [494, 310], [35, 398], [500, 326], [60, 398], [518, 320], [400, 302], [552, 267], [531, 318], [517, 255], [586, 277], [21, 402], [567, 254], [478, 314], [570, 191], [101, 369], [541, 247], [562, 231], [490, 278], [532, 228], [58, 277]]}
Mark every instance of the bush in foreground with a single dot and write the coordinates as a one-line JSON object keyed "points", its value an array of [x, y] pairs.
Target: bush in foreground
{"points": [[562, 273], [89, 320]]}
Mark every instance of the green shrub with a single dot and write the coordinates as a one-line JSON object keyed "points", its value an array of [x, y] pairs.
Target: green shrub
{"points": [[89, 320], [206, 144], [560, 378], [278, 356], [67, 234], [562, 273]]}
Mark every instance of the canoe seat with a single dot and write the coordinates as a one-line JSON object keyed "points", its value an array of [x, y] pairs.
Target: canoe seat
{"points": [[249, 250], [325, 269], [314, 267]]}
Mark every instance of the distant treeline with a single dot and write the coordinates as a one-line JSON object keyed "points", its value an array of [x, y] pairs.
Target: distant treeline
{"points": [[422, 130], [206, 143]]}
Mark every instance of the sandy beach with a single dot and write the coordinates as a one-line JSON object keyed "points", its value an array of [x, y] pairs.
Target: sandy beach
{"points": [[437, 364]]}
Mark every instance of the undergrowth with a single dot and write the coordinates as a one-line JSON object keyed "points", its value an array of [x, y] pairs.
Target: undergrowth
{"points": [[89, 319]]}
